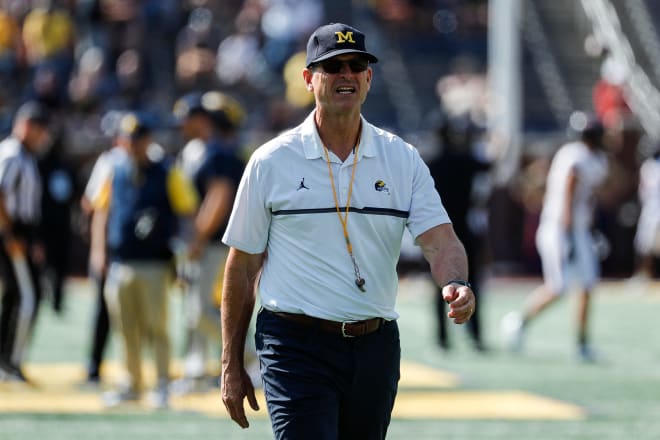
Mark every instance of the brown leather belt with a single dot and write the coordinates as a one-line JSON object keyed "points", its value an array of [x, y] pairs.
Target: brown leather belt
{"points": [[347, 329]]}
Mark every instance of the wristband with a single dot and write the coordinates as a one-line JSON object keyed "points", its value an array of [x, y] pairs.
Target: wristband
{"points": [[461, 282]]}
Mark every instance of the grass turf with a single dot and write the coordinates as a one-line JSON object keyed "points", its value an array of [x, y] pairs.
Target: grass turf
{"points": [[619, 394]]}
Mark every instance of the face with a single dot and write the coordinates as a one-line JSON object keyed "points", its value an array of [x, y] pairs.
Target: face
{"points": [[137, 147], [191, 126], [340, 84], [38, 137], [188, 128]]}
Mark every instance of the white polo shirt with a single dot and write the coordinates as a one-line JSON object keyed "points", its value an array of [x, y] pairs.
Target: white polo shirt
{"points": [[647, 236], [102, 171], [285, 206]]}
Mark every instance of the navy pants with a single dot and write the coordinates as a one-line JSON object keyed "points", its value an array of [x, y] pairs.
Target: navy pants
{"points": [[101, 328], [323, 386]]}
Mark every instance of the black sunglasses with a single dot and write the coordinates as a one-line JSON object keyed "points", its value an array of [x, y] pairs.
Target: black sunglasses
{"points": [[356, 65]]}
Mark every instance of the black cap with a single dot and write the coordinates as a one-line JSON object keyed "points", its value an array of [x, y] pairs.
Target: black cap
{"points": [[33, 111], [186, 106], [225, 111], [587, 125], [134, 125], [336, 39], [594, 127]]}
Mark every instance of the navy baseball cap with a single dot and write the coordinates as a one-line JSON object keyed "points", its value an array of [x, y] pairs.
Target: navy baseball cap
{"points": [[186, 106], [594, 126], [134, 125], [335, 39], [33, 111]]}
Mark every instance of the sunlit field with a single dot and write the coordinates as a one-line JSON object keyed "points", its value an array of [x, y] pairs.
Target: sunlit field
{"points": [[541, 393]]}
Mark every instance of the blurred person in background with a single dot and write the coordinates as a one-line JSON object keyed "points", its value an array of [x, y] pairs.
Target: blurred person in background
{"points": [[195, 50], [454, 171], [12, 53], [617, 209], [316, 231], [526, 194], [49, 40], [21, 252], [238, 55], [609, 97], [97, 265], [59, 193], [647, 237], [564, 239], [6, 114], [136, 218], [89, 86], [209, 121]]}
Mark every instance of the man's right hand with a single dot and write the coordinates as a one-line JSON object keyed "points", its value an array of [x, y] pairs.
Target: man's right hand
{"points": [[236, 386]]}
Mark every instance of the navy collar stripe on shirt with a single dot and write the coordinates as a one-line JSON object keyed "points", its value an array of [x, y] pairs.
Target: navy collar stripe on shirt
{"points": [[365, 210]]}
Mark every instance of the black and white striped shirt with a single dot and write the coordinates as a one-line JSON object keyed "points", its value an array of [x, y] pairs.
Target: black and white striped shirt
{"points": [[20, 183]]}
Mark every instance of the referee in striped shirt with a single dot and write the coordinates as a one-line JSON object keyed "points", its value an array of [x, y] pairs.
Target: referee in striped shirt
{"points": [[20, 202]]}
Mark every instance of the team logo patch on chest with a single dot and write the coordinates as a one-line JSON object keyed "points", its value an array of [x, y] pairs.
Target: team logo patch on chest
{"points": [[381, 186]]}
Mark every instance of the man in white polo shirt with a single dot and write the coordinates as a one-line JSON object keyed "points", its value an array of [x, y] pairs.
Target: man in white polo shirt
{"points": [[316, 230]]}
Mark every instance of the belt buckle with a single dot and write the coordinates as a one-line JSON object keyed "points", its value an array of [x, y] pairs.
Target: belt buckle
{"points": [[343, 329]]}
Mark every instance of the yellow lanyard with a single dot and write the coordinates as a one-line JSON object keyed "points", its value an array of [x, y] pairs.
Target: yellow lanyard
{"points": [[359, 281]]}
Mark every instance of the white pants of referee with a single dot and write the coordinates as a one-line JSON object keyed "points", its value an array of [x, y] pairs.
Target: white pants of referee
{"points": [[20, 302]]}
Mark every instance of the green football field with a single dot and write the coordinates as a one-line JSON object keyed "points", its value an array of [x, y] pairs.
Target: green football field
{"points": [[544, 393]]}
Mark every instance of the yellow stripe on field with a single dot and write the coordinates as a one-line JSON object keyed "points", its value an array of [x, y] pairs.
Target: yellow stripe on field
{"points": [[414, 375], [65, 375], [57, 389], [512, 405]]}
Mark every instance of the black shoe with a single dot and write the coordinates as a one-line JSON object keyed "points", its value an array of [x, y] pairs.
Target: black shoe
{"points": [[4, 372], [11, 373], [93, 379], [93, 374]]}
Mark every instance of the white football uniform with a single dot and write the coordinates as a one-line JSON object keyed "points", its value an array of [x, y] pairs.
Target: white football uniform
{"points": [[560, 249], [647, 237]]}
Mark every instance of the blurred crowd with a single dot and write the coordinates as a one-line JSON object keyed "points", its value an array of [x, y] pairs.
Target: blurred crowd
{"points": [[89, 59], [85, 58]]}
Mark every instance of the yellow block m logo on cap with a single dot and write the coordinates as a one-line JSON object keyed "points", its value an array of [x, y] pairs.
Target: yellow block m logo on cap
{"points": [[345, 37]]}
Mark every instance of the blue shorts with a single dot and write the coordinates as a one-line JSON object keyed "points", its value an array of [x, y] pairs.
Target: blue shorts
{"points": [[323, 386]]}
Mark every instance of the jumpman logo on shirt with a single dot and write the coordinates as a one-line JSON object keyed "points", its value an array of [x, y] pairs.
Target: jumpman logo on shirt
{"points": [[302, 185]]}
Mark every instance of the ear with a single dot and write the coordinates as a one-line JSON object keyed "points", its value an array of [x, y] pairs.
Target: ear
{"points": [[307, 77]]}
